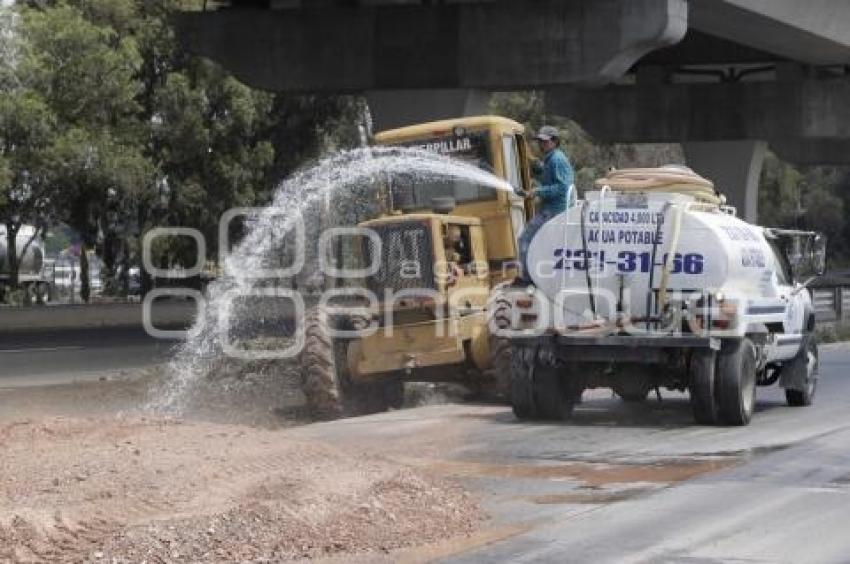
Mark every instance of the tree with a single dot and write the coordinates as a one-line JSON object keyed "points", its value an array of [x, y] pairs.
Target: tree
{"points": [[145, 134], [26, 127], [780, 196], [86, 73], [95, 171], [26, 130]]}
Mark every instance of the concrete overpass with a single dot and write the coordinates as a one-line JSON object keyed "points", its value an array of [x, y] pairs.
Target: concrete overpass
{"points": [[727, 78]]}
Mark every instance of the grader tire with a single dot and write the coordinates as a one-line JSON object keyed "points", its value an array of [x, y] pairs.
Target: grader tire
{"points": [[321, 379], [500, 352], [500, 367], [554, 400], [326, 384], [392, 393], [522, 382], [702, 387], [736, 382]]}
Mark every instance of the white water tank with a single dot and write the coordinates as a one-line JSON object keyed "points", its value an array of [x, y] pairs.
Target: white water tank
{"points": [[616, 244]]}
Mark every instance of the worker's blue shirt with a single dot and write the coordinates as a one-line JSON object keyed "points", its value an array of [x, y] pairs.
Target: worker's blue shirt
{"points": [[555, 183]]}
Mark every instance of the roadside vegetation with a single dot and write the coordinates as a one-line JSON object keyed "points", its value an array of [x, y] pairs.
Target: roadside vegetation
{"points": [[833, 332], [107, 129]]}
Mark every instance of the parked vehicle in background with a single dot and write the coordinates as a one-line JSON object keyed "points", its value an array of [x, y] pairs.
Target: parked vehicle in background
{"points": [[30, 252], [64, 277]]}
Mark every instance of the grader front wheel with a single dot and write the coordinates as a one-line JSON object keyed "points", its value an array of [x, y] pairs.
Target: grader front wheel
{"points": [[522, 382], [321, 376], [329, 390]]}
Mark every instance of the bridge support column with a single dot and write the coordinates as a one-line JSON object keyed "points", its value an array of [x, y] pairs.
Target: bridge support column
{"points": [[397, 108], [734, 167]]}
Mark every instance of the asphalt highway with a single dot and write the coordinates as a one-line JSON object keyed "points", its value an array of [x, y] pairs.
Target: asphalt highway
{"points": [[639, 483], [30, 358], [618, 483]]}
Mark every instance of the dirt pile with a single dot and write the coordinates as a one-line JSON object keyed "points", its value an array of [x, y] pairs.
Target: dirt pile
{"points": [[159, 490]]}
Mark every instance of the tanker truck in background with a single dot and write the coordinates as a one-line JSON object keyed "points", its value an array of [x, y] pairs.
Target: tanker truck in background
{"points": [[30, 253], [652, 281]]}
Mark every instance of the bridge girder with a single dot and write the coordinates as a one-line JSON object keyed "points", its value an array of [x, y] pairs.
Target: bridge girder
{"points": [[805, 121], [493, 45]]}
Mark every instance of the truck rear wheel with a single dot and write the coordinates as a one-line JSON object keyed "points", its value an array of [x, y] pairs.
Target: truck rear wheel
{"points": [[326, 384], [804, 371], [702, 389], [736, 381]]}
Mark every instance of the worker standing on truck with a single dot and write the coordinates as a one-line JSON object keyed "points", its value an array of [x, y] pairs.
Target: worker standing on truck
{"points": [[555, 190]]}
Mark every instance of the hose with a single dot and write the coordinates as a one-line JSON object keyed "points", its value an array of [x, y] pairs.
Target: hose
{"points": [[671, 253], [670, 178], [590, 295], [658, 228]]}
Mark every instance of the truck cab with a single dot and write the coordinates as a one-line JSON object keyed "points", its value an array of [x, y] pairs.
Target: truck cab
{"points": [[495, 144]]}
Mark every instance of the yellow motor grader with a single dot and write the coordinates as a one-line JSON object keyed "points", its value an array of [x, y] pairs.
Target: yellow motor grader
{"points": [[422, 311]]}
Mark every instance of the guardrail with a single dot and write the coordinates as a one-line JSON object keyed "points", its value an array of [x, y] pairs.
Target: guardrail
{"points": [[91, 316], [831, 303]]}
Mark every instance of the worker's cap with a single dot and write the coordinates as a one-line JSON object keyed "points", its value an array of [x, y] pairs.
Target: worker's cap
{"points": [[547, 133]]}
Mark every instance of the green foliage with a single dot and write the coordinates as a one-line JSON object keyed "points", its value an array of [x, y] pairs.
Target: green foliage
{"points": [[58, 239], [207, 135], [27, 126], [5, 179], [780, 199], [807, 198], [107, 126], [84, 70], [838, 332]]}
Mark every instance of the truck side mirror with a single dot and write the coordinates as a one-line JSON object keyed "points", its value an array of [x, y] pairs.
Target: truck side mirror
{"points": [[807, 255], [819, 254]]}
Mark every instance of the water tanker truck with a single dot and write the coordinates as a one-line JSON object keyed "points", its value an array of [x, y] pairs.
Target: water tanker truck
{"points": [[30, 262], [653, 282]]}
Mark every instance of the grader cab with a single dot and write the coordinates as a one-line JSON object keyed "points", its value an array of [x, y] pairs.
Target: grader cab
{"points": [[420, 310]]}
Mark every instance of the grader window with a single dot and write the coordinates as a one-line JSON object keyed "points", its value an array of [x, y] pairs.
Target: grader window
{"points": [[413, 192], [457, 245], [410, 192]]}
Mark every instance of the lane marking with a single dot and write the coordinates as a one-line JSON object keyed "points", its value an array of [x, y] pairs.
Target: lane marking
{"points": [[41, 349]]}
